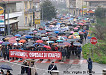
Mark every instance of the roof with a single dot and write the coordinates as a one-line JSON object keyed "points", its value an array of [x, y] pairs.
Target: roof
{"points": [[10, 1], [13, 15], [36, 1], [94, 0], [11, 21]]}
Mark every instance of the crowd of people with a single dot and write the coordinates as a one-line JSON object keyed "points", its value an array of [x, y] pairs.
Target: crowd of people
{"points": [[65, 41]]}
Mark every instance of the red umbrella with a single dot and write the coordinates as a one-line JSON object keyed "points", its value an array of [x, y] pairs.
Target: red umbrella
{"points": [[81, 33], [48, 47], [81, 24], [39, 41], [75, 28]]}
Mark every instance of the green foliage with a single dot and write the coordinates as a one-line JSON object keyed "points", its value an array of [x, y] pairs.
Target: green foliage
{"points": [[98, 50], [100, 12], [48, 10]]}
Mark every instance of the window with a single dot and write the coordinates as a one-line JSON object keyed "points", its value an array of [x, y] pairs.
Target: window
{"points": [[30, 5], [31, 18], [25, 5], [25, 20]]}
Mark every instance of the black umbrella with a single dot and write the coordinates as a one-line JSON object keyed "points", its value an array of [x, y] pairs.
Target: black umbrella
{"points": [[5, 67]]}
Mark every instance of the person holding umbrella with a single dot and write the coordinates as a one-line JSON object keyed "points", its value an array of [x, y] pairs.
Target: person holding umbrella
{"points": [[79, 50]]}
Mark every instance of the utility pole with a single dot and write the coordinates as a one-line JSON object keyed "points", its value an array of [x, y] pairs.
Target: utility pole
{"points": [[4, 6], [8, 23], [42, 14], [82, 8]]}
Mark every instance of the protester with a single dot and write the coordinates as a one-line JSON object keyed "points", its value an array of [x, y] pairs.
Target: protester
{"points": [[79, 50]]}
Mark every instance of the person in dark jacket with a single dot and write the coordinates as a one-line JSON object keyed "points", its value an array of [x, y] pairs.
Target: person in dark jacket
{"points": [[4, 52], [79, 50], [89, 66], [51, 67], [8, 73]]}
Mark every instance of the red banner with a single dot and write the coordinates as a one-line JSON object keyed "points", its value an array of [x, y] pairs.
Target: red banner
{"points": [[35, 54]]}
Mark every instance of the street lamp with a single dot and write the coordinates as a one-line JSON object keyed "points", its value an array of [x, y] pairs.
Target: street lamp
{"points": [[82, 8]]}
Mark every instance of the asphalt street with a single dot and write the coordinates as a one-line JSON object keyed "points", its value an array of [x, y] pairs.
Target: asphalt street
{"points": [[64, 69]]}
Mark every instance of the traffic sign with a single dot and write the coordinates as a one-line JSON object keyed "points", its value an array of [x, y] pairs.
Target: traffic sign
{"points": [[1, 10], [93, 40], [37, 21]]}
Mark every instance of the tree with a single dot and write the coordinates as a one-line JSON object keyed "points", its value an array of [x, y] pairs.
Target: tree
{"points": [[48, 10], [100, 27], [100, 12]]}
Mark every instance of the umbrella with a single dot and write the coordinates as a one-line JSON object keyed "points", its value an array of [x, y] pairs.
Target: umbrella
{"points": [[35, 31], [18, 35], [43, 35], [66, 43], [72, 40], [37, 37], [5, 67], [45, 38], [28, 36], [62, 38], [30, 33], [23, 37], [55, 44], [80, 23], [76, 33], [1, 37], [22, 41], [75, 28], [1, 42], [39, 41], [56, 32], [38, 34], [9, 36], [54, 38], [77, 44], [17, 39], [16, 44], [59, 41], [78, 37], [48, 47], [81, 33], [72, 37], [41, 44], [50, 41], [30, 46], [42, 31], [5, 43], [61, 44], [72, 31]]}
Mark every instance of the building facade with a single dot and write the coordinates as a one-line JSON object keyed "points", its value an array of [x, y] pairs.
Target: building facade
{"points": [[26, 19], [11, 15], [93, 4], [75, 6]]}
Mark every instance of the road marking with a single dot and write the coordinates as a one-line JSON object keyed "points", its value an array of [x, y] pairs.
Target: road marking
{"points": [[44, 61]]}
